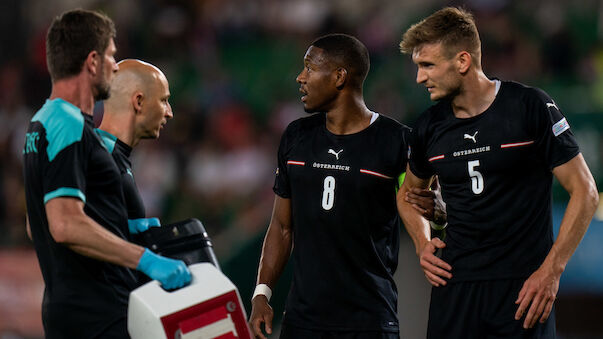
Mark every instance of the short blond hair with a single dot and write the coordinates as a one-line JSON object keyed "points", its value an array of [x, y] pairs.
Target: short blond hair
{"points": [[453, 27]]}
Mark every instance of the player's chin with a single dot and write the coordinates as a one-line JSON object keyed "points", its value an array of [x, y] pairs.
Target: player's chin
{"points": [[102, 92], [436, 96], [309, 109]]}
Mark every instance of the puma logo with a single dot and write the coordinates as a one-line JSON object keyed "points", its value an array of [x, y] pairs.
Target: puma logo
{"points": [[336, 154], [549, 104], [472, 137]]}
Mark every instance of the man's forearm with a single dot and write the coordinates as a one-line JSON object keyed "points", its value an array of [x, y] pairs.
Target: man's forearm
{"points": [[71, 227], [577, 217], [101, 244], [416, 226], [275, 254], [577, 180]]}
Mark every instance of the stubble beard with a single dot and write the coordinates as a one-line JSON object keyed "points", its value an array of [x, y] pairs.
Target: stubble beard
{"points": [[102, 91], [103, 87]]}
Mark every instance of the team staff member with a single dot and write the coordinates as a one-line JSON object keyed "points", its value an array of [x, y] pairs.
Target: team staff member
{"points": [[137, 108], [495, 147], [76, 210], [335, 206]]}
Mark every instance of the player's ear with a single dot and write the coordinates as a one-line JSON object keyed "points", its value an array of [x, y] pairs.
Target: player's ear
{"points": [[464, 61], [341, 75], [92, 62], [137, 101]]}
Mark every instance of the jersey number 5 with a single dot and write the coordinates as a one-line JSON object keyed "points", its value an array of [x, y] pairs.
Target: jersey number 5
{"points": [[328, 194], [477, 180]]}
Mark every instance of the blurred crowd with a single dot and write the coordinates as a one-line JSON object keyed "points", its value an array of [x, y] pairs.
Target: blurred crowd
{"points": [[232, 67]]}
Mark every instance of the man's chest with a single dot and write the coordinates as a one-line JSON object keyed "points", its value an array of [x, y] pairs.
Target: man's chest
{"points": [[471, 153], [321, 164]]}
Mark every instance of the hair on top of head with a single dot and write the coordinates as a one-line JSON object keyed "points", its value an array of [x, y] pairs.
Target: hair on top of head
{"points": [[348, 52], [453, 27], [72, 36]]}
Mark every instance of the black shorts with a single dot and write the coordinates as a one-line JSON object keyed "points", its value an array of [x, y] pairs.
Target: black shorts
{"points": [[481, 309], [291, 332]]}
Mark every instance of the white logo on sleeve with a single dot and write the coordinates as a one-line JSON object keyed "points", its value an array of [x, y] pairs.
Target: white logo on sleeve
{"points": [[471, 137], [560, 127], [336, 154], [551, 104]]}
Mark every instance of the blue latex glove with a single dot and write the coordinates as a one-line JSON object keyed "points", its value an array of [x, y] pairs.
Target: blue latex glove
{"points": [[140, 225], [171, 273]]}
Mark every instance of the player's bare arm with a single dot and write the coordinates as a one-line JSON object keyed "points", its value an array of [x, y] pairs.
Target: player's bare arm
{"points": [[418, 228], [275, 254], [70, 226], [540, 289]]}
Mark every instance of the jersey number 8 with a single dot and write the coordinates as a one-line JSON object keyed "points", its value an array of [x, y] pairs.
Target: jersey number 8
{"points": [[328, 194]]}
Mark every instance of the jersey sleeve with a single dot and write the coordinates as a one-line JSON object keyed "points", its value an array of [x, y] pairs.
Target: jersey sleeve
{"points": [[404, 149], [281, 180], [418, 163], [65, 173], [554, 139]]}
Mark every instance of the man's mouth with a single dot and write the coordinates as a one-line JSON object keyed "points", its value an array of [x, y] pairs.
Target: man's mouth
{"points": [[304, 96]]}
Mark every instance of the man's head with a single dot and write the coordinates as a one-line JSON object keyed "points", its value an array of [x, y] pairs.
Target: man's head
{"points": [[333, 62], [444, 46], [453, 28], [141, 90], [82, 40]]}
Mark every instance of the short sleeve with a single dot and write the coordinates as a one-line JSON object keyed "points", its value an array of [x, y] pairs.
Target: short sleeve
{"points": [[404, 149], [63, 161], [554, 138], [65, 175], [418, 163], [281, 180]]}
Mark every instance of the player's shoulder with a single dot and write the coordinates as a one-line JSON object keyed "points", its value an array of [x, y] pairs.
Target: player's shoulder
{"points": [[310, 121], [390, 124], [109, 140], [60, 113], [525, 92], [304, 124], [436, 112], [63, 123], [530, 102]]}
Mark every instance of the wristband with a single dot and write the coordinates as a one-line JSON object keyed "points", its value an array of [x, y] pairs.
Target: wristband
{"points": [[437, 227], [264, 290]]}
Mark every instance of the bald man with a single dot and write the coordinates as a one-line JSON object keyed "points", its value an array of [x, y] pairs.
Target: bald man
{"points": [[137, 108]]}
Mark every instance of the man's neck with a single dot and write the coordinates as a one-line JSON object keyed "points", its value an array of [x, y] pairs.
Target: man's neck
{"points": [[76, 90], [477, 94], [349, 117], [122, 129]]}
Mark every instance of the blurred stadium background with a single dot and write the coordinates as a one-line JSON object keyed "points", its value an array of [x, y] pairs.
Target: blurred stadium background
{"points": [[232, 66]]}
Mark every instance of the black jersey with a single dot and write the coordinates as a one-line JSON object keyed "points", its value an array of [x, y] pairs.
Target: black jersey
{"points": [[121, 154], [495, 170], [64, 157], [345, 223]]}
